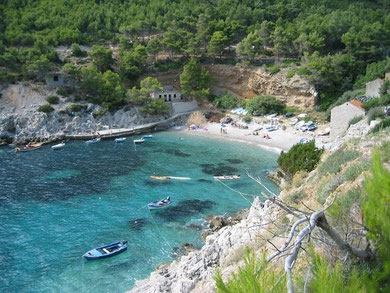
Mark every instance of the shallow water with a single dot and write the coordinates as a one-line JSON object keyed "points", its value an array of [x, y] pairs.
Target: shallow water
{"points": [[55, 205]]}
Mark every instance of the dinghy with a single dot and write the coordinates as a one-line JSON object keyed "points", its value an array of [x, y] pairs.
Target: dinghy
{"points": [[120, 139], [58, 146], [227, 177], [29, 147], [139, 140], [106, 250], [95, 140], [160, 204]]}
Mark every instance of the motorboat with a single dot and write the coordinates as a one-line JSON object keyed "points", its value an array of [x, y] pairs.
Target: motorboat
{"points": [[58, 146], [160, 177], [227, 177], [120, 139], [139, 140], [160, 204], [29, 147], [95, 140], [106, 250]]}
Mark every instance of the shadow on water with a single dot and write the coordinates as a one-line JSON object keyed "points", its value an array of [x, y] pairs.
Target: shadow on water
{"points": [[218, 169], [185, 209], [157, 182], [205, 180], [177, 153], [138, 224], [234, 161]]}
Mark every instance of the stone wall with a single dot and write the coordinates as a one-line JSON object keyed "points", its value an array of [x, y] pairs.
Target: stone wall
{"points": [[373, 87], [340, 117], [182, 107]]}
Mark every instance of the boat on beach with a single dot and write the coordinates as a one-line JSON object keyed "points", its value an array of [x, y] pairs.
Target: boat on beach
{"points": [[120, 139], [106, 250], [29, 147], [139, 140], [95, 140], [160, 204], [58, 146], [227, 177]]}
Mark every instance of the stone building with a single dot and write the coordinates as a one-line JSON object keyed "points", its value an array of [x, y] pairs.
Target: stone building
{"points": [[341, 115], [373, 87], [169, 94], [57, 80]]}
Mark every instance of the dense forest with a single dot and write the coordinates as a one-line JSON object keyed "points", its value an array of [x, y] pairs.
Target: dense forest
{"points": [[331, 42]]}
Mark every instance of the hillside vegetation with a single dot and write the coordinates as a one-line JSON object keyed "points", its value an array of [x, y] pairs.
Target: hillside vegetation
{"points": [[331, 42], [347, 247]]}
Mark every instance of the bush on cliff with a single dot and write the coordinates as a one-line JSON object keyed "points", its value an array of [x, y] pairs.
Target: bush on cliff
{"points": [[53, 99], [299, 157], [265, 105], [46, 108]]}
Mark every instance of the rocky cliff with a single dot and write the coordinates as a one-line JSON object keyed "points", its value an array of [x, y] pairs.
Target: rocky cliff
{"points": [[195, 272], [248, 82], [21, 121]]}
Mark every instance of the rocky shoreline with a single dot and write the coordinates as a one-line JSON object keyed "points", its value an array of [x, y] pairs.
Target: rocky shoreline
{"points": [[195, 271]]}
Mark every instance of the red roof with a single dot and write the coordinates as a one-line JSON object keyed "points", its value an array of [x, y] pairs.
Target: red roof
{"points": [[358, 104]]}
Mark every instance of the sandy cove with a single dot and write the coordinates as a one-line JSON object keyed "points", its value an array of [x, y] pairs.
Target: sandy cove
{"points": [[279, 140]]}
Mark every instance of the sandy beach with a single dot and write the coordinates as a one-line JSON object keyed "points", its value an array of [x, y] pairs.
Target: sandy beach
{"points": [[277, 140]]}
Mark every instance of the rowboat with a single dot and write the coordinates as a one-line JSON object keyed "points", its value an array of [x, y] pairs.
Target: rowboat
{"points": [[29, 147], [95, 140], [160, 204], [58, 146], [106, 250], [139, 140], [120, 139], [227, 177]]}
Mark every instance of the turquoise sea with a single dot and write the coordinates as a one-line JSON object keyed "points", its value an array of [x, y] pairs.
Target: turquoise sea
{"points": [[56, 205]]}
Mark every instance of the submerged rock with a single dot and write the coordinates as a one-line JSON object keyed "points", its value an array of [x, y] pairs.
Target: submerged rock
{"points": [[138, 224], [185, 209]]}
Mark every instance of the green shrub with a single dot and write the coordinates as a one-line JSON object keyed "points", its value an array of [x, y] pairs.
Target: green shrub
{"points": [[99, 112], [226, 101], [46, 108], [155, 107], [376, 214], [336, 160], [375, 113], [327, 187], [355, 120], [381, 125], [64, 91], [254, 276], [342, 205], [274, 69], [355, 170], [265, 105], [247, 118], [303, 71], [299, 157], [77, 108], [290, 73], [296, 197], [53, 99]]}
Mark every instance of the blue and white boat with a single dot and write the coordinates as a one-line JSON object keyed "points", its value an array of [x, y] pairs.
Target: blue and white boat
{"points": [[95, 140], [139, 140], [120, 139], [106, 250], [160, 204]]}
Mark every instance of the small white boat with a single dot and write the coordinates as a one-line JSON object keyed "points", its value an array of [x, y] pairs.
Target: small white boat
{"points": [[58, 146], [160, 204], [272, 128], [227, 177], [139, 140], [120, 139], [95, 140]]}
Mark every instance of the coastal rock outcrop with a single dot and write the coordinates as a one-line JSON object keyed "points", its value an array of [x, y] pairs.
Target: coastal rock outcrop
{"points": [[248, 82], [194, 272]]}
